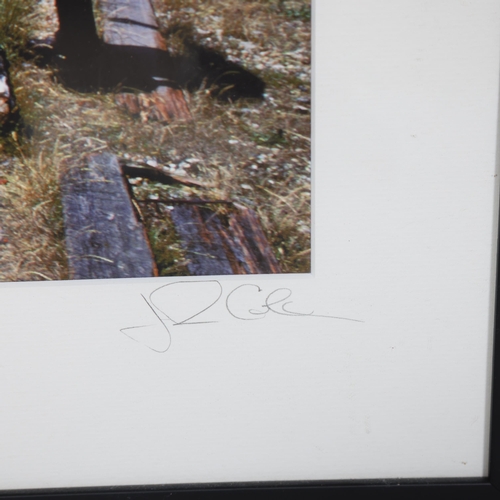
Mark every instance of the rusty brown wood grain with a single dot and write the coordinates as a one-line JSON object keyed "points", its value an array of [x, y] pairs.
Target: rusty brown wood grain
{"points": [[246, 230], [164, 104], [217, 247]]}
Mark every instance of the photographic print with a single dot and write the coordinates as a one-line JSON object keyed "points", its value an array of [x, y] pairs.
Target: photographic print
{"points": [[145, 138]]}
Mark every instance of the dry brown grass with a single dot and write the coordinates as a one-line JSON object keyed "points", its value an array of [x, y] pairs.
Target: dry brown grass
{"points": [[16, 26], [256, 152], [31, 210]]}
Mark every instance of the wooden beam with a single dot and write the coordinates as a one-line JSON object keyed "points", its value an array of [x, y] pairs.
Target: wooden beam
{"points": [[132, 23], [198, 229], [104, 238], [165, 104], [247, 234], [130, 10], [216, 248], [77, 32]]}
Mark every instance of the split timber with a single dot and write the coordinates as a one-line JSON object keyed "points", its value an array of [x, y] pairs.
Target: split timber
{"points": [[132, 23], [104, 238], [211, 247]]}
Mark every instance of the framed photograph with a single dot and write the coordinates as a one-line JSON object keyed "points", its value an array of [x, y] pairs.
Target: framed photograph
{"points": [[249, 249]]}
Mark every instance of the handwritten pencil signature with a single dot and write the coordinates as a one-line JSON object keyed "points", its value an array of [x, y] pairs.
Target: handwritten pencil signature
{"points": [[190, 303]]}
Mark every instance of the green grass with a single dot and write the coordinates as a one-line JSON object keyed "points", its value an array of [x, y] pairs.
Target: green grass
{"points": [[303, 12]]}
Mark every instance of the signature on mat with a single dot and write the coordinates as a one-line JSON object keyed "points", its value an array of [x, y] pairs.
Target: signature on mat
{"points": [[193, 303]]}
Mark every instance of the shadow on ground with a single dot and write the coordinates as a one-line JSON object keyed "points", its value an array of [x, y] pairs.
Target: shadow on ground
{"points": [[95, 65]]}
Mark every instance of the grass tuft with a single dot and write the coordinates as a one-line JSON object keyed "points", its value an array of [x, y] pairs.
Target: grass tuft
{"points": [[31, 215], [16, 26]]}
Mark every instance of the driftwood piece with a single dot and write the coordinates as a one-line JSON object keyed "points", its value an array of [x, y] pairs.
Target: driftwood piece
{"points": [[132, 23], [104, 239], [212, 247]]}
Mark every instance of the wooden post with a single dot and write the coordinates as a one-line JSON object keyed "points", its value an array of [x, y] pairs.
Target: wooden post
{"points": [[77, 31], [132, 24], [104, 239]]}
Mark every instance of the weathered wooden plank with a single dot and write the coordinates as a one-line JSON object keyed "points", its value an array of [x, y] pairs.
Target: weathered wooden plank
{"points": [[199, 229], [247, 233], [215, 248], [132, 23], [164, 104], [104, 238], [170, 103], [129, 10], [134, 35]]}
